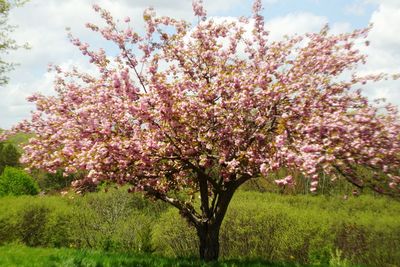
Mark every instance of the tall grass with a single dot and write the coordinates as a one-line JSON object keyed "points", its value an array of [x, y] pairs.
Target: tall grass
{"points": [[107, 221], [303, 229], [293, 228]]}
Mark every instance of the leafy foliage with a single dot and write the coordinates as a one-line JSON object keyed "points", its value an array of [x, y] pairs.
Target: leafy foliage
{"points": [[116, 220], [9, 156], [53, 183], [17, 182], [108, 221], [312, 230], [301, 229]]}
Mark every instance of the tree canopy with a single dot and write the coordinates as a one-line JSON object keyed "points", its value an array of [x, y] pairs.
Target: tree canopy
{"points": [[188, 111], [9, 156]]}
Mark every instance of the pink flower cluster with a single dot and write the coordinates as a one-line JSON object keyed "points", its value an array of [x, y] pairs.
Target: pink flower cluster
{"points": [[227, 111], [288, 180]]}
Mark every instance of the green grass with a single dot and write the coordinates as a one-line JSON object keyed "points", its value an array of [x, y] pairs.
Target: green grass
{"points": [[315, 230], [304, 229], [21, 256]]}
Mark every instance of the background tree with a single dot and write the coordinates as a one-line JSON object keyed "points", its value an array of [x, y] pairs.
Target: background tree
{"points": [[9, 156], [186, 112], [6, 42]]}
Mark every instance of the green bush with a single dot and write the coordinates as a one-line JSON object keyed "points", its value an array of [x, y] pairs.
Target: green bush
{"points": [[7, 230], [53, 183], [173, 237], [303, 229], [37, 221], [9, 156], [116, 221], [32, 224], [17, 182], [105, 218], [308, 230]]}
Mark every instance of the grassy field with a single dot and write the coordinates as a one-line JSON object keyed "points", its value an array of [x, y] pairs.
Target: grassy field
{"points": [[22, 256], [314, 230]]}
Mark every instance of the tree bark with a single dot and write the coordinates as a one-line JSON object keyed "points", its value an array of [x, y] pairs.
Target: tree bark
{"points": [[209, 241], [209, 222], [208, 229]]}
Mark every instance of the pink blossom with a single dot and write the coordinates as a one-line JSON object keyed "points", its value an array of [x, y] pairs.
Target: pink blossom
{"points": [[311, 148], [213, 116], [198, 8], [288, 180], [264, 169]]}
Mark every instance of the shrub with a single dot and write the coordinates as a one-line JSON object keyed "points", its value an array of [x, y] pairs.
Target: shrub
{"points": [[53, 182], [17, 182], [134, 233], [9, 156], [44, 221], [7, 230], [304, 229], [116, 220], [98, 217], [32, 224], [173, 237]]}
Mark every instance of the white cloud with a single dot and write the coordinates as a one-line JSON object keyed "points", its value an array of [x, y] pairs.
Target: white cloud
{"points": [[340, 27], [42, 24], [356, 8], [296, 23], [387, 3], [384, 50]]}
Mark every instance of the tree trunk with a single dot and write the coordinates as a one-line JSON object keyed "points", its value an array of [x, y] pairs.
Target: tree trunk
{"points": [[208, 229], [209, 241]]}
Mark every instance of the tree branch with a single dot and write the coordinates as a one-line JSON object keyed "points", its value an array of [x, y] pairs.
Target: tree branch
{"points": [[204, 195], [185, 208], [350, 177]]}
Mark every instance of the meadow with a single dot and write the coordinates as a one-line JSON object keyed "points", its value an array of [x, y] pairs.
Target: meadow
{"points": [[117, 228]]}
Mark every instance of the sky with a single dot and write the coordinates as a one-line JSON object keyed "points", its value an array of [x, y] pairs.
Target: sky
{"points": [[43, 24]]}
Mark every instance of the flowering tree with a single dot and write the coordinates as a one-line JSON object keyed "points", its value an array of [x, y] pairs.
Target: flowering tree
{"points": [[189, 111]]}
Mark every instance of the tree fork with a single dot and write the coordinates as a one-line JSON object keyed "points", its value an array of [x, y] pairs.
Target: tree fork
{"points": [[208, 230]]}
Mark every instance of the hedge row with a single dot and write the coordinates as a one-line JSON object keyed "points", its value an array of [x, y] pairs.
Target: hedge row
{"points": [[303, 229], [107, 221]]}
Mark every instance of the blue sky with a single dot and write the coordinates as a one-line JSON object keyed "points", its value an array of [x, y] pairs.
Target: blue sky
{"points": [[356, 12], [42, 23]]}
